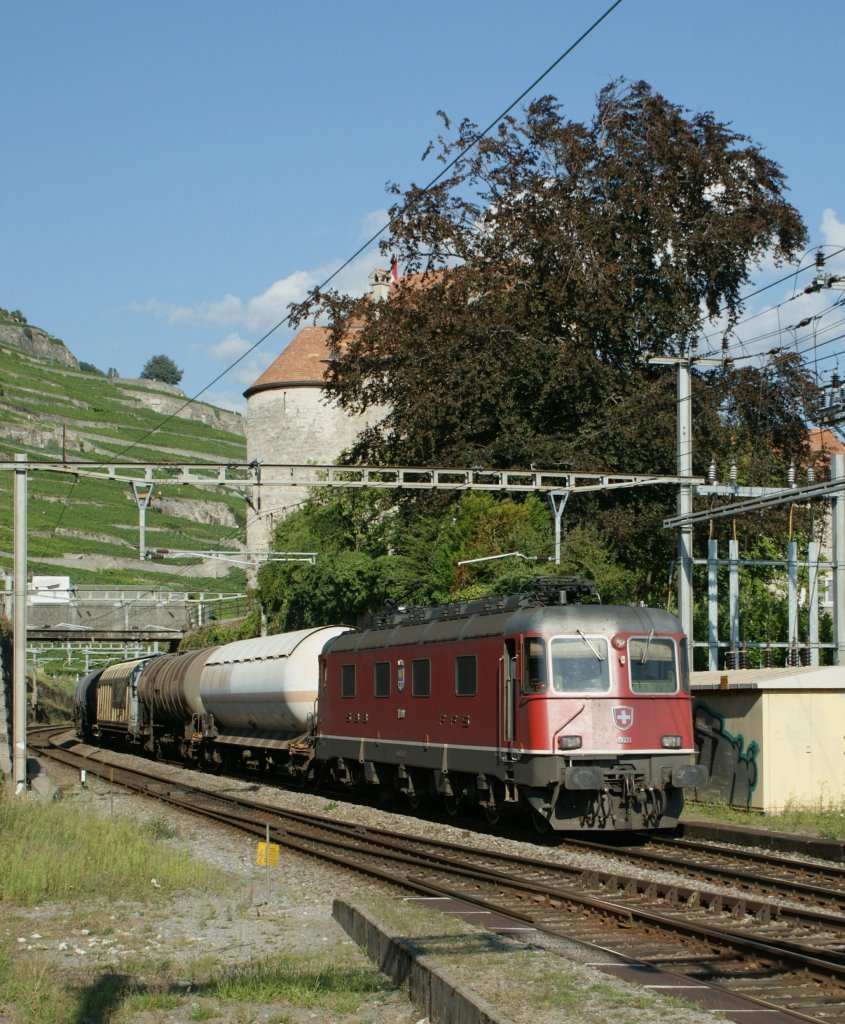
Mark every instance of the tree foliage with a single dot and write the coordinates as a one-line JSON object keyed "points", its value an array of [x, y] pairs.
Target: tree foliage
{"points": [[161, 368], [422, 563], [541, 271], [554, 258], [90, 368]]}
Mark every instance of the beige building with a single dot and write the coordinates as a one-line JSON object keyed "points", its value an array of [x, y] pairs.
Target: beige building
{"points": [[771, 738], [290, 421]]}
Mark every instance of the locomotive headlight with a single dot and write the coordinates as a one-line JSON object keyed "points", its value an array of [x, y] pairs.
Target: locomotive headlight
{"points": [[569, 742], [671, 742]]}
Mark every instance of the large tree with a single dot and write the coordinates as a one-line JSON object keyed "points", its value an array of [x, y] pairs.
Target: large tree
{"points": [[542, 269], [540, 272]]}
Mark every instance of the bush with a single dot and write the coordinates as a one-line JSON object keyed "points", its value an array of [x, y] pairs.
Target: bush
{"points": [[162, 368]]}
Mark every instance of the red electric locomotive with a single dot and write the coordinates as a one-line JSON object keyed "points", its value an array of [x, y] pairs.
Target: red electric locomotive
{"points": [[579, 712]]}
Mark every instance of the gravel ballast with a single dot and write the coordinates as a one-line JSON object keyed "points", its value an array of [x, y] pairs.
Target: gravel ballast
{"points": [[245, 925]]}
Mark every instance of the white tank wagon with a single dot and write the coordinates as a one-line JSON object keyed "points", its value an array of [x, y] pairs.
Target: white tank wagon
{"points": [[265, 688]]}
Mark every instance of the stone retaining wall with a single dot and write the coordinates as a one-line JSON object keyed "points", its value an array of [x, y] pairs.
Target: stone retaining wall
{"points": [[443, 998]]}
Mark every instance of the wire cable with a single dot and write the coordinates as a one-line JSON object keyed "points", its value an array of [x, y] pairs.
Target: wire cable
{"points": [[362, 248]]}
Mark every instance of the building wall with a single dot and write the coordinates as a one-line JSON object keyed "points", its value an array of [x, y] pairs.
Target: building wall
{"points": [[771, 743], [293, 426]]}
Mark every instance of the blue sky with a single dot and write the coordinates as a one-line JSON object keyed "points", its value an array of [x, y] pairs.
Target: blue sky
{"points": [[174, 173]]}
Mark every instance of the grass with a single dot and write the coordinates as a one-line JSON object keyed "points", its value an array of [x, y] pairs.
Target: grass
{"points": [[300, 981], [30, 987], [88, 417], [825, 818], [58, 851], [303, 980], [67, 856]]}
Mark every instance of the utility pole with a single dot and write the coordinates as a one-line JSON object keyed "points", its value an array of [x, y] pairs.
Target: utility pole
{"points": [[837, 473], [557, 500], [143, 493], [684, 364], [19, 642]]}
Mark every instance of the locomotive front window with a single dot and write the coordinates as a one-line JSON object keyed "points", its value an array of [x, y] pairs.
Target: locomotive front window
{"points": [[421, 678], [381, 679], [535, 677], [347, 680], [652, 664], [465, 676], [580, 663]]}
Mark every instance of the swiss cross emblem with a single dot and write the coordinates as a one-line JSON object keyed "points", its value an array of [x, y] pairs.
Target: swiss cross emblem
{"points": [[623, 716]]}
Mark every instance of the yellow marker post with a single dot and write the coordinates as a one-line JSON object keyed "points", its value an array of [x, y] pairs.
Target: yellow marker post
{"points": [[267, 856], [263, 859]]}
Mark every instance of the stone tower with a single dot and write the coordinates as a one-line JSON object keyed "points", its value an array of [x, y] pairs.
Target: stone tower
{"points": [[290, 421]]}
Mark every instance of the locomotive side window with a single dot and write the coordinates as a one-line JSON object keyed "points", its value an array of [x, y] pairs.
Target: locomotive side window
{"points": [[466, 682], [421, 678], [347, 680], [381, 679], [580, 663], [652, 665], [534, 676]]}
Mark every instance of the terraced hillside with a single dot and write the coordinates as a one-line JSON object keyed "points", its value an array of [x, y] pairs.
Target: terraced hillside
{"points": [[89, 529]]}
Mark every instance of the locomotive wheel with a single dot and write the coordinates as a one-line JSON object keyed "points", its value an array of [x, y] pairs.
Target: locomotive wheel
{"points": [[451, 805], [492, 813], [540, 822]]}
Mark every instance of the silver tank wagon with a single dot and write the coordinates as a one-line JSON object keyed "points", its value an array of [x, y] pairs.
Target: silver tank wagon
{"points": [[169, 687]]}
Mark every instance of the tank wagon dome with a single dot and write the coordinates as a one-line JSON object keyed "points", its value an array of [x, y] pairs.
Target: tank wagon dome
{"points": [[267, 685]]}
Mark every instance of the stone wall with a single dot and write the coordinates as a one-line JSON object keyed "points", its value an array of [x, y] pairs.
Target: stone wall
{"points": [[166, 399], [293, 426]]}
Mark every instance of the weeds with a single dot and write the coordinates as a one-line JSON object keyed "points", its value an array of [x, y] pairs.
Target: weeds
{"points": [[300, 981], [56, 851], [826, 818]]}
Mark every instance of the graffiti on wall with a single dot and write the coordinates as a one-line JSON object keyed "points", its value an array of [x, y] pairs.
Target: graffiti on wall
{"points": [[732, 769]]}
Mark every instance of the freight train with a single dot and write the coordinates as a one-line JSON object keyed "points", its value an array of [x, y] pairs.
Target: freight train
{"points": [[577, 713]]}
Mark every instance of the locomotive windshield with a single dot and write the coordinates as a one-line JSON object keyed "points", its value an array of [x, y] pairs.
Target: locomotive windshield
{"points": [[653, 666], [580, 663]]}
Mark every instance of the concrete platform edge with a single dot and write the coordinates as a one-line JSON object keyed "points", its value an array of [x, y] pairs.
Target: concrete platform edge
{"points": [[443, 997]]}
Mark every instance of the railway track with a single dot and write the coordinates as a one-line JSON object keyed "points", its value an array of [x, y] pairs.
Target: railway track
{"points": [[773, 949], [763, 875]]}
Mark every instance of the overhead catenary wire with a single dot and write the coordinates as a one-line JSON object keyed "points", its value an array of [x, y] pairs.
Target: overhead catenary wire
{"points": [[362, 248]]}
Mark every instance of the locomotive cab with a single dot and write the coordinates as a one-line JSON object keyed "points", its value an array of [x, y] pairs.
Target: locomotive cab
{"points": [[614, 708]]}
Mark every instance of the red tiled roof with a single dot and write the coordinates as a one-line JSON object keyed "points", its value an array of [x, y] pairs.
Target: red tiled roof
{"points": [[825, 441], [304, 361]]}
